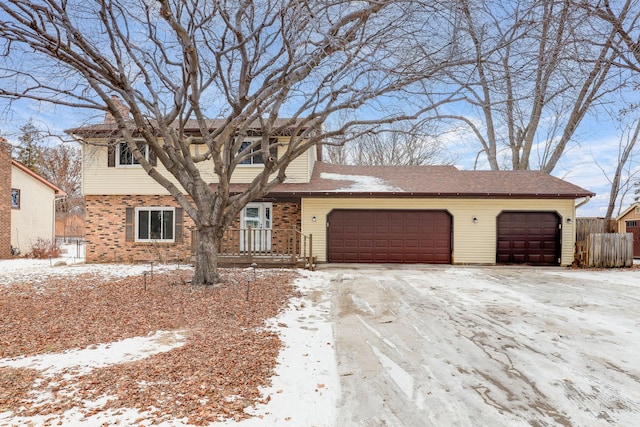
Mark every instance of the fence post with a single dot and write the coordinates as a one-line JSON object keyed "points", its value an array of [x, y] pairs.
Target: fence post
{"points": [[294, 246], [310, 251], [249, 245]]}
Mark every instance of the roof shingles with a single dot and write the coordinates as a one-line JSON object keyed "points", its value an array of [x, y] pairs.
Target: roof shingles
{"points": [[441, 181]]}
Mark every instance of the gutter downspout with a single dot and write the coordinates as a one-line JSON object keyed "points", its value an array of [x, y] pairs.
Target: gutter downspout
{"points": [[584, 202]]}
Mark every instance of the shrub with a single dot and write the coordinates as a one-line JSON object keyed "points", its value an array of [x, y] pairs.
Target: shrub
{"points": [[44, 248]]}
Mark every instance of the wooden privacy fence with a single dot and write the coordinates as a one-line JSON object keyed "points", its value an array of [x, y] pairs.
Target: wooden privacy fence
{"points": [[606, 250], [587, 226]]}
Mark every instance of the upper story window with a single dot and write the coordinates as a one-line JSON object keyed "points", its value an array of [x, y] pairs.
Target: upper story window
{"points": [[124, 156], [15, 198], [257, 158]]}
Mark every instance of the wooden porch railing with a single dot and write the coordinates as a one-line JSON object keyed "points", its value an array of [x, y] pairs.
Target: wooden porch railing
{"points": [[275, 246]]}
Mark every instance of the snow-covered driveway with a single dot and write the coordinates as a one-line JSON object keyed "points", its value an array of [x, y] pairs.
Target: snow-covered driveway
{"points": [[486, 346]]}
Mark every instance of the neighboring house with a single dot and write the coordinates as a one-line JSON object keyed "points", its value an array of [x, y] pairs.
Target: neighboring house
{"points": [[629, 222], [33, 207], [27, 211], [393, 214]]}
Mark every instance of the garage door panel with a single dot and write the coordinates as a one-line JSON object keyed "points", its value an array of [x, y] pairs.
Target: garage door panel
{"points": [[528, 238], [389, 236]]}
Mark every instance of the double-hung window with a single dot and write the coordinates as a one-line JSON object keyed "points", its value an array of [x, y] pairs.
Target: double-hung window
{"points": [[256, 159], [155, 224], [124, 156]]}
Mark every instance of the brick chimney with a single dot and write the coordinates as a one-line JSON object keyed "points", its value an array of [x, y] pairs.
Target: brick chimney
{"points": [[5, 199], [123, 109]]}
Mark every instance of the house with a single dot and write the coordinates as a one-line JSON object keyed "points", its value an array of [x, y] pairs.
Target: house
{"points": [[27, 212], [394, 214], [629, 222]]}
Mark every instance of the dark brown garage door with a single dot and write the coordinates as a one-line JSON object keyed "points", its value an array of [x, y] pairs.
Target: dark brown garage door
{"points": [[389, 236], [528, 238]]}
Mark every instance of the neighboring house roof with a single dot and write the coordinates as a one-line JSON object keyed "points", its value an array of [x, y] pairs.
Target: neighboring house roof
{"points": [[57, 190], [425, 181], [626, 211], [111, 129]]}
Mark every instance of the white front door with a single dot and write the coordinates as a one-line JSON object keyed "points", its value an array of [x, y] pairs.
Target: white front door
{"points": [[256, 216]]}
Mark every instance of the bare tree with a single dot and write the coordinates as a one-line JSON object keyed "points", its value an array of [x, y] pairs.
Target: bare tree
{"points": [[244, 62], [61, 164], [540, 67], [624, 174], [623, 17], [403, 144]]}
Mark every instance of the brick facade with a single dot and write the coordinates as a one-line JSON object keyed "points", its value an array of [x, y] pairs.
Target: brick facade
{"points": [[5, 199], [106, 229]]}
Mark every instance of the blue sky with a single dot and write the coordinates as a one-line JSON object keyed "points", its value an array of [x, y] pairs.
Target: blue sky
{"points": [[598, 145]]}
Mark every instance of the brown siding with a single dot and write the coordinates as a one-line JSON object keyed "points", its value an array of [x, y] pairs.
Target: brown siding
{"points": [[5, 199]]}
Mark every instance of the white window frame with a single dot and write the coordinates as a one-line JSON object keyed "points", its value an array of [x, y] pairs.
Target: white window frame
{"points": [[154, 209], [122, 144], [261, 236], [255, 160], [256, 153]]}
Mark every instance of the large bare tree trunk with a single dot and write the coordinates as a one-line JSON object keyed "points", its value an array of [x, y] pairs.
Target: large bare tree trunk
{"points": [[206, 263]]}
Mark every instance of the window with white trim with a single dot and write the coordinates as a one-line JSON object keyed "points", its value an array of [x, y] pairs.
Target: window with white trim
{"points": [[257, 159], [15, 198], [155, 224], [124, 156]]}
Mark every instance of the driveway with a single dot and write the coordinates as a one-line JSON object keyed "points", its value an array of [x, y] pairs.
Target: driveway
{"points": [[486, 346]]}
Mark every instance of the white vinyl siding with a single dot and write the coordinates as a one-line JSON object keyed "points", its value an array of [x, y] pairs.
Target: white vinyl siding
{"points": [[473, 242], [35, 218], [98, 178]]}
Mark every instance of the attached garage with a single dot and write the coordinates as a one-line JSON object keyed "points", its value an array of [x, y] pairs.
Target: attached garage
{"points": [[529, 238], [389, 236]]}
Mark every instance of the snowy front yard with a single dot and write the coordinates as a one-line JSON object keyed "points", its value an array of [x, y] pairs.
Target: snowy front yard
{"points": [[357, 346], [103, 345]]}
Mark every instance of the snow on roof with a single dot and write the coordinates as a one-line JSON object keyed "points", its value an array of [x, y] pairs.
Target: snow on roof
{"points": [[361, 182]]}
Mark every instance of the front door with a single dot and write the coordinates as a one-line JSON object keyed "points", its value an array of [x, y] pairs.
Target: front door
{"points": [[255, 224]]}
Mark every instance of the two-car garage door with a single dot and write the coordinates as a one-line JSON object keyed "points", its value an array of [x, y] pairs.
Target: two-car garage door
{"points": [[389, 236]]}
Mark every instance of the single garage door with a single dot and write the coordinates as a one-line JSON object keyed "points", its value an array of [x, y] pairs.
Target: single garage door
{"points": [[528, 238], [389, 236]]}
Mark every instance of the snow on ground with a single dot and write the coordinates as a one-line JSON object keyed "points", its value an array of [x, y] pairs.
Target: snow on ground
{"points": [[305, 387], [361, 182], [489, 346], [70, 263], [429, 346], [82, 361]]}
